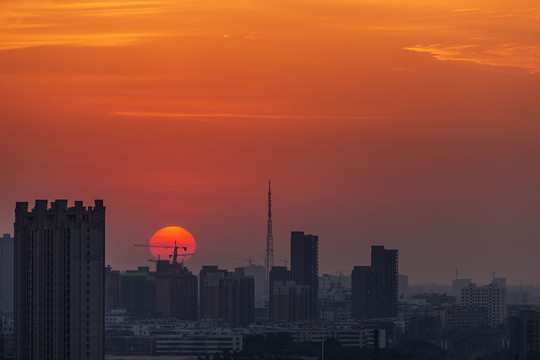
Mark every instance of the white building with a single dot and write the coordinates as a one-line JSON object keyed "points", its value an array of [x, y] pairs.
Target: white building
{"points": [[492, 297]]}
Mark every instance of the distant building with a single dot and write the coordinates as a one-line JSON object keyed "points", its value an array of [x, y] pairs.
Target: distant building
{"points": [[112, 289], [334, 298], [403, 286], [305, 266], [525, 336], [366, 293], [138, 292], [7, 253], [7, 338], [349, 334], [457, 285], [226, 296], [171, 338], [59, 281], [461, 317], [258, 273], [424, 326], [491, 297], [386, 261], [176, 291], [435, 299], [375, 287], [288, 301]]}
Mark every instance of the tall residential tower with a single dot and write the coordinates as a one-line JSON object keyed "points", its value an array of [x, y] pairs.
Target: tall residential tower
{"points": [[59, 281], [305, 266], [375, 287]]}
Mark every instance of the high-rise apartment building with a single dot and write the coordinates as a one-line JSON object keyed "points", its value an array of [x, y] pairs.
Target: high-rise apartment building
{"points": [[305, 266], [491, 297], [386, 262], [176, 291], [288, 301], [138, 292], [6, 273], [375, 287], [210, 292], [227, 296], [367, 296], [59, 281]]}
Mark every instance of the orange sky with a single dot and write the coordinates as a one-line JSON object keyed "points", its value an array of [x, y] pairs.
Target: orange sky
{"points": [[410, 125]]}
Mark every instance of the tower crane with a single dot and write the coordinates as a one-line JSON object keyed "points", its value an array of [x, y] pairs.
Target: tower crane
{"points": [[174, 255]]}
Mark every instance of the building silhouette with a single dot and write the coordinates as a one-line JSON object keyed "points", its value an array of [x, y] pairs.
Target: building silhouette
{"points": [[112, 289], [366, 293], [6, 273], [375, 287], [386, 262], [305, 266], [277, 275], [176, 291], [227, 296], [59, 280], [210, 293], [258, 272], [138, 292], [525, 336], [288, 301]]}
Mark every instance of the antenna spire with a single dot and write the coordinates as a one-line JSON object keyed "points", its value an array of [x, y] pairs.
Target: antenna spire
{"points": [[269, 259]]}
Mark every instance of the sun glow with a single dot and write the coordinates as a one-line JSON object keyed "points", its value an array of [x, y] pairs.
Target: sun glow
{"points": [[169, 237]]}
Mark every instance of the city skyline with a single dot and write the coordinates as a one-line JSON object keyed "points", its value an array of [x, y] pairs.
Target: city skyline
{"points": [[412, 125], [286, 259]]}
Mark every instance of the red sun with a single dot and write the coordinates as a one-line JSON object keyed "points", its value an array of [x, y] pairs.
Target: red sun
{"points": [[167, 237]]}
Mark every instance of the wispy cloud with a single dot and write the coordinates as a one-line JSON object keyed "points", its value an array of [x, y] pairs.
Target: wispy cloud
{"points": [[107, 39], [76, 23], [524, 56], [244, 116], [466, 10]]}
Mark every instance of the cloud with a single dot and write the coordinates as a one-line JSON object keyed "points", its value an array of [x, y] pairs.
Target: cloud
{"points": [[108, 39], [244, 116], [22, 23], [526, 56]]}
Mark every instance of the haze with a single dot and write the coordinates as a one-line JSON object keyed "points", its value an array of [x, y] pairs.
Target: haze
{"points": [[412, 125]]}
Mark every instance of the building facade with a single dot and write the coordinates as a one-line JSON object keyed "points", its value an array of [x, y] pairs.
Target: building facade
{"points": [[176, 291], [387, 262], [366, 293], [305, 266], [112, 289], [525, 336], [6, 273], [227, 296], [59, 280], [374, 292], [491, 297], [138, 292]]}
